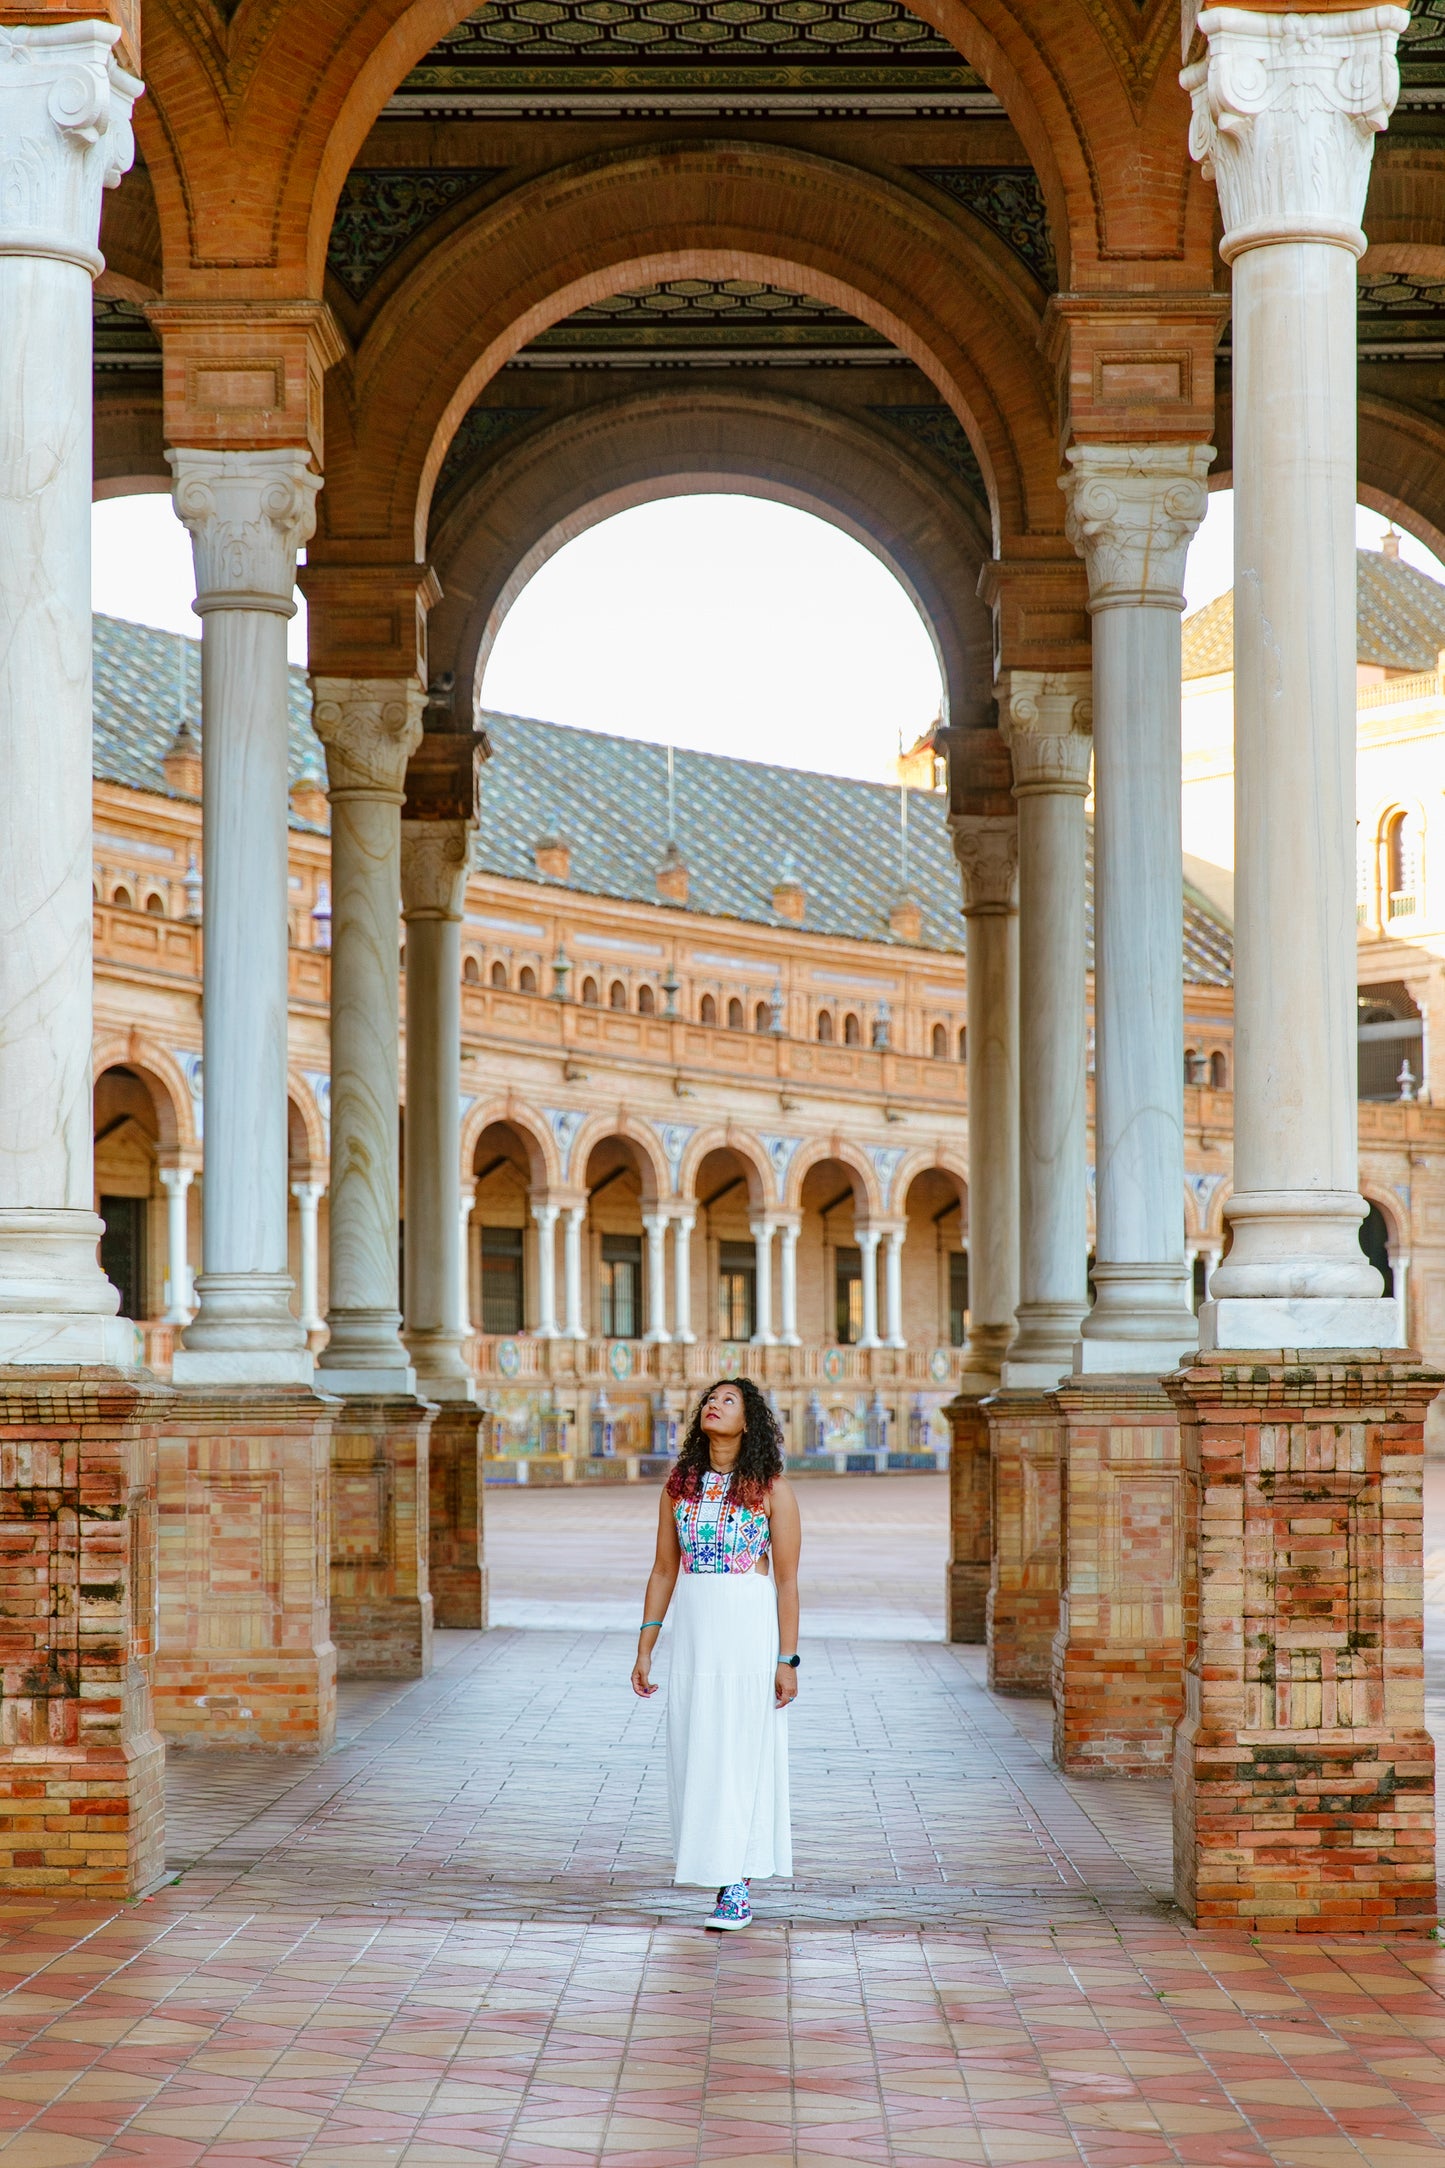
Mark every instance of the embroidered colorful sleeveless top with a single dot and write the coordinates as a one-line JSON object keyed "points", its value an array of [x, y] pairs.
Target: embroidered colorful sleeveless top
{"points": [[717, 1537]]}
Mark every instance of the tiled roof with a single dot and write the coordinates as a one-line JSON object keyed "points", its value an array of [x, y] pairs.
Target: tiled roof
{"points": [[740, 825], [1399, 620]]}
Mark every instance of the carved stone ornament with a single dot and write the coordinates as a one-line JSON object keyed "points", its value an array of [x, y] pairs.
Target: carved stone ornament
{"points": [[1133, 509], [248, 514], [434, 857], [1047, 717], [1286, 110], [370, 728], [65, 134], [987, 849]]}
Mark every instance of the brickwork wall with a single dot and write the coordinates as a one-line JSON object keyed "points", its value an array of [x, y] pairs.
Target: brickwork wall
{"points": [[1025, 1440], [457, 1567], [381, 1606], [81, 1763], [1118, 1659], [1303, 1774], [970, 1521], [245, 1652]]}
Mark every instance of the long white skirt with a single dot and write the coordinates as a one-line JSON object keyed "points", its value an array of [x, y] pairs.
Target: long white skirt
{"points": [[727, 1741]]}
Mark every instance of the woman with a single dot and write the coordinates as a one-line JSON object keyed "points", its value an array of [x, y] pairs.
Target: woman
{"points": [[728, 1520]]}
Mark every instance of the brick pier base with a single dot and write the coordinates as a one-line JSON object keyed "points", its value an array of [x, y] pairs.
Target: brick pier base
{"points": [[245, 1654], [1025, 1439], [381, 1606], [970, 1521], [1304, 1776], [458, 1568], [81, 1763], [1118, 1659]]}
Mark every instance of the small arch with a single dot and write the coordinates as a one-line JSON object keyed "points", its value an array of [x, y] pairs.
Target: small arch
{"points": [[825, 1027], [499, 973], [617, 996], [1218, 1071], [646, 1001], [471, 971], [485, 1125], [1402, 865], [122, 899], [762, 1016], [156, 904], [707, 1010], [852, 1030], [963, 1042], [940, 1043], [745, 1151], [591, 999], [526, 980], [735, 1014]]}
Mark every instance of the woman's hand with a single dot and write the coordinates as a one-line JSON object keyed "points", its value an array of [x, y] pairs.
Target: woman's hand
{"points": [[785, 1685], [642, 1684]]}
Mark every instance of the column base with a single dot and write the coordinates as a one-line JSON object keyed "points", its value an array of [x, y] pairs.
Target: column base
{"points": [[1025, 1441], [378, 1384], [457, 1570], [364, 1355], [57, 1340], [1141, 1322], [381, 1606], [245, 1654], [243, 1333], [1042, 1349], [1118, 1656], [1303, 1772], [1283, 1321], [970, 1519], [81, 1763]]}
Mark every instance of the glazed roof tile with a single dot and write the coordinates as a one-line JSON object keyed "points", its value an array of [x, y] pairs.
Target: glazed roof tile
{"points": [[1399, 620]]}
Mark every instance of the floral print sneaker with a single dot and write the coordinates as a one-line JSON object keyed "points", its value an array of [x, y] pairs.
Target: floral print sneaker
{"points": [[733, 1908]]}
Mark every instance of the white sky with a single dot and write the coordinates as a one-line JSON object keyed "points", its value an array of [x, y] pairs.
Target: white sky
{"points": [[726, 624]]}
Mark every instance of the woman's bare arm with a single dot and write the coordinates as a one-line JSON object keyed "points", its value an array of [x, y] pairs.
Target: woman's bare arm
{"points": [[787, 1543], [660, 1584]]}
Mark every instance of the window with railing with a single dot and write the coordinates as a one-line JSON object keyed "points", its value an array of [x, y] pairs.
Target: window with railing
{"points": [[1401, 866], [848, 1287], [1391, 1038], [737, 1289], [502, 1280], [957, 1297], [622, 1287]]}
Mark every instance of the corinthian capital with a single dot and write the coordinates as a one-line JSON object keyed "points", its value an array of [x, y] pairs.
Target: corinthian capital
{"points": [[370, 728], [1047, 717], [248, 514], [987, 849], [1132, 511], [65, 134], [434, 868], [1286, 110]]}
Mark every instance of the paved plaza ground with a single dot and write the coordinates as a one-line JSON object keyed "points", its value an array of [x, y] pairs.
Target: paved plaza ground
{"points": [[453, 1940]]}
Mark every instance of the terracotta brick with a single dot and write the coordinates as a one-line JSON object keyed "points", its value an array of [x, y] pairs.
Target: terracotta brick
{"points": [[1303, 1773], [457, 1561], [381, 1606], [970, 1520], [1025, 1441]]}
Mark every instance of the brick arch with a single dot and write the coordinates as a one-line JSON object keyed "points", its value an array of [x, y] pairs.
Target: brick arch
{"points": [[545, 1166], [163, 1078], [706, 210], [1402, 467], [582, 469], [927, 1159], [725, 1137], [656, 1175], [867, 1196], [303, 1099]]}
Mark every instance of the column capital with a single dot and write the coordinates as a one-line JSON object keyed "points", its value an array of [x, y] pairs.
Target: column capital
{"points": [[175, 1178], [986, 847], [370, 728], [1047, 717], [434, 858], [546, 1214], [1132, 511], [67, 106], [1286, 110], [248, 514]]}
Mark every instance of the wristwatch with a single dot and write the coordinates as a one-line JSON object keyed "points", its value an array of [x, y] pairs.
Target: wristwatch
{"points": [[791, 1662]]}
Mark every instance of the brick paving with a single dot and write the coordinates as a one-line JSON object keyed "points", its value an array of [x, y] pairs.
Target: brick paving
{"points": [[453, 1941]]}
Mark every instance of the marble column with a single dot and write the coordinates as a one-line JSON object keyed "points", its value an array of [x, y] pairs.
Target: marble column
{"points": [[682, 1330], [868, 1247], [1046, 719], [65, 135], [572, 1225], [893, 1333], [466, 1205], [308, 1197], [986, 848], [762, 1234], [176, 1182], [1285, 123], [545, 1216], [433, 885], [370, 727], [248, 513], [655, 1228], [1132, 511], [788, 1282]]}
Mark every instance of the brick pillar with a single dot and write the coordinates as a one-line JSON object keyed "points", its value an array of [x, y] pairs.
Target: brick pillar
{"points": [[458, 1567], [81, 1763], [1118, 1663], [970, 1520], [245, 1652], [1025, 1441], [381, 1606], [1304, 1775]]}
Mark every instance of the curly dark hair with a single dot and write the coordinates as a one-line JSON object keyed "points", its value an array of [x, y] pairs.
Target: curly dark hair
{"points": [[759, 1462]]}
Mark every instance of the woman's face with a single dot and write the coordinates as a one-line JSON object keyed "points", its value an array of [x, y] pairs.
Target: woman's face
{"points": [[722, 1413]]}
